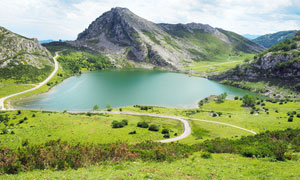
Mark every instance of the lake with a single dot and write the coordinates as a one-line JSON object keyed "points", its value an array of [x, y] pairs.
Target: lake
{"points": [[125, 88]]}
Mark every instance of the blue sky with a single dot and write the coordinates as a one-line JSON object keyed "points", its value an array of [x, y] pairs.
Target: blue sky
{"points": [[64, 19]]}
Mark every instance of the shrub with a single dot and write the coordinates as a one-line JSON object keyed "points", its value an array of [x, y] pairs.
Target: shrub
{"points": [[153, 127], [166, 136], [236, 98], [117, 124], [142, 124], [175, 134], [206, 155], [125, 122], [120, 109], [298, 115], [290, 119], [33, 115], [19, 112], [165, 131], [132, 132]]}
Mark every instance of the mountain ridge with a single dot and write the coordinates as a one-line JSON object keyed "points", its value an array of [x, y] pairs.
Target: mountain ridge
{"points": [[120, 34], [271, 39]]}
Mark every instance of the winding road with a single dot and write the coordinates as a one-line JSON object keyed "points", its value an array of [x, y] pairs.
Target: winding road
{"points": [[187, 128], [32, 89]]}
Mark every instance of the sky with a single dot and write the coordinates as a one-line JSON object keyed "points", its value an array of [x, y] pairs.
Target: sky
{"points": [[64, 19]]}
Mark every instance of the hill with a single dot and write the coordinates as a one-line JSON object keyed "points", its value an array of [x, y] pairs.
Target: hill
{"points": [[122, 35], [23, 60], [280, 65], [269, 40]]}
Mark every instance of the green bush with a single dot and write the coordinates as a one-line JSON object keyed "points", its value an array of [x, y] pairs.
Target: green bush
{"points": [[142, 124], [166, 136], [117, 124], [125, 122], [165, 131], [206, 155], [290, 119], [153, 127]]}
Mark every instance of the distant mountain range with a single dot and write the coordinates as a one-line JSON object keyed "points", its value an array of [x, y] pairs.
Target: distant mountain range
{"points": [[46, 41], [251, 36], [120, 35], [23, 59], [269, 40]]}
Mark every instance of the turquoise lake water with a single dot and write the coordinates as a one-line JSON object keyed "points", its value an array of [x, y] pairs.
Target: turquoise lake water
{"points": [[127, 87]]}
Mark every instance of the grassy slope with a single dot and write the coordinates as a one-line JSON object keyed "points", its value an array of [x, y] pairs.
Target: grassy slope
{"points": [[79, 128], [221, 166], [223, 64], [7, 89]]}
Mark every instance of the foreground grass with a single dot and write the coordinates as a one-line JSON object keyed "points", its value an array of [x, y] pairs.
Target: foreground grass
{"points": [[220, 166], [78, 128]]}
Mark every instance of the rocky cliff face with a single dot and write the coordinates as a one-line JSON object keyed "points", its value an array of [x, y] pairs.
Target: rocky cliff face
{"points": [[120, 34], [16, 49], [281, 62], [23, 60]]}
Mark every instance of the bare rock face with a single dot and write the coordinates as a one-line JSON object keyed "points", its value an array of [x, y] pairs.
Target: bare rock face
{"points": [[16, 49], [121, 34], [281, 65]]}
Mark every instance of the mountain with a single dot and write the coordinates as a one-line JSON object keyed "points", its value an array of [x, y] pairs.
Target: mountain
{"points": [[46, 41], [250, 36], [269, 40], [23, 59], [280, 63], [122, 35]]}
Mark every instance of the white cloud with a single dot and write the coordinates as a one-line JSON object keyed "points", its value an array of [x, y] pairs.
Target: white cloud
{"points": [[64, 19]]}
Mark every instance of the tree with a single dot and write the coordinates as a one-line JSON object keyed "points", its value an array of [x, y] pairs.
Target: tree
{"points": [[248, 101], [95, 107], [221, 98], [108, 107]]}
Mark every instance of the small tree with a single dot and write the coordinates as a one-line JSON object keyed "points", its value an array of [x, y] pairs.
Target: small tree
{"points": [[108, 107], [95, 107], [221, 98], [248, 101]]}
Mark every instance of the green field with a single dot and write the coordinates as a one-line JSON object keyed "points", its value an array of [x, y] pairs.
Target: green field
{"points": [[79, 128], [220, 64], [220, 166], [233, 113], [7, 89]]}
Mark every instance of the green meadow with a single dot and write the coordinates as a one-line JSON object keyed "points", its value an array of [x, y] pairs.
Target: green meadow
{"points": [[38, 127]]}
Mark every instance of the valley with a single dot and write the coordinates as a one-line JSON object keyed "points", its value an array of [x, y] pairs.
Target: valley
{"points": [[134, 99]]}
